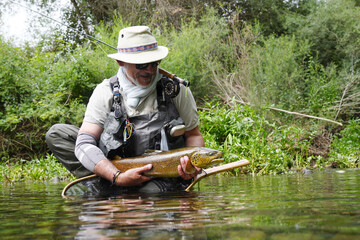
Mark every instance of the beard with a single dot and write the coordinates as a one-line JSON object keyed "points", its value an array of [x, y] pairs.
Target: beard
{"points": [[148, 78]]}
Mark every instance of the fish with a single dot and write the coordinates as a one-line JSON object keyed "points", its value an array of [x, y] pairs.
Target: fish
{"points": [[165, 163]]}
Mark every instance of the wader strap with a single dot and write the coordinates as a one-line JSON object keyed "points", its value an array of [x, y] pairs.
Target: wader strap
{"points": [[162, 98], [149, 127], [115, 88]]}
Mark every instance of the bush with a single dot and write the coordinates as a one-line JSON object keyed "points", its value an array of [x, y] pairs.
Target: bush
{"points": [[276, 74], [345, 147], [333, 30], [191, 50], [42, 169], [45, 89], [14, 69], [242, 133]]}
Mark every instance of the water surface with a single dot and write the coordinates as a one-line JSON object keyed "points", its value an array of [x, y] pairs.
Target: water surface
{"points": [[322, 205]]}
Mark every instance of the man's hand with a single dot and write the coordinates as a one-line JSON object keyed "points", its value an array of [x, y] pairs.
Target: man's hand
{"points": [[184, 161], [133, 177]]}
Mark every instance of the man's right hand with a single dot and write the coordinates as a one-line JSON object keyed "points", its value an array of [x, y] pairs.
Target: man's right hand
{"points": [[133, 177]]}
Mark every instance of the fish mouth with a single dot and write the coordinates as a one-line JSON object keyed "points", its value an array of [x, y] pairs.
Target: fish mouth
{"points": [[216, 161], [216, 158]]}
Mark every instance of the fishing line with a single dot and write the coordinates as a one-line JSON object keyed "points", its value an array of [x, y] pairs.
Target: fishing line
{"points": [[63, 24]]}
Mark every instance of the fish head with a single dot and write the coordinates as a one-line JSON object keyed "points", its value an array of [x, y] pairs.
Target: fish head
{"points": [[205, 157]]}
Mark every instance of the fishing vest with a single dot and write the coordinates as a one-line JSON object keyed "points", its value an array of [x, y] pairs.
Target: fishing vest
{"points": [[126, 136]]}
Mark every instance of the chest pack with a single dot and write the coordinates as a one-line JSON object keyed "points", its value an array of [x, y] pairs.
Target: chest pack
{"points": [[126, 136]]}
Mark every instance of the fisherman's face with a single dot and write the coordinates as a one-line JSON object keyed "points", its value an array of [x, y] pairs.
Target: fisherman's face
{"points": [[140, 74]]}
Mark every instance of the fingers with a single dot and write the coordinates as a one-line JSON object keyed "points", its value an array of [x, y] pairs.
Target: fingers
{"points": [[182, 174], [139, 172], [184, 165], [145, 168], [135, 177]]}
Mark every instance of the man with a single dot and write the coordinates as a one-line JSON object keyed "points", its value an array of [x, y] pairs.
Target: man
{"points": [[127, 114]]}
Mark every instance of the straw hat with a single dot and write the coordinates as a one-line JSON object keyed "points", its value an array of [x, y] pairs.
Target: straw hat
{"points": [[137, 45]]}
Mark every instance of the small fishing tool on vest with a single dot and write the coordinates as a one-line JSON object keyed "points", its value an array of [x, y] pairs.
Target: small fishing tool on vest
{"points": [[129, 130]]}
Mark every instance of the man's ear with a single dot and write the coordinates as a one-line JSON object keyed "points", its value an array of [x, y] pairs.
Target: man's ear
{"points": [[121, 64]]}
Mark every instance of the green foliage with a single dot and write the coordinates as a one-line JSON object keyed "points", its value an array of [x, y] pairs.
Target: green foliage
{"points": [[276, 76], [313, 70], [332, 28], [286, 75], [191, 50], [242, 133], [42, 169], [322, 87], [345, 148], [13, 69], [41, 89], [280, 72]]}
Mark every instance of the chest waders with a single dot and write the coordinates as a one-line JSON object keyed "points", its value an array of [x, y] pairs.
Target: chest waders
{"points": [[150, 130], [126, 136], [131, 136]]}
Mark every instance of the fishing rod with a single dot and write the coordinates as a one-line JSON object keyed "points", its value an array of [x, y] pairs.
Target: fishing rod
{"points": [[162, 71]]}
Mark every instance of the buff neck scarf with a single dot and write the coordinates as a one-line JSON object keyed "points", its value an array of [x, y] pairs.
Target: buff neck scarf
{"points": [[134, 93]]}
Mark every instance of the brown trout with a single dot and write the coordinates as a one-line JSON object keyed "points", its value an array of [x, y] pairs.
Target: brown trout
{"points": [[165, 163]]}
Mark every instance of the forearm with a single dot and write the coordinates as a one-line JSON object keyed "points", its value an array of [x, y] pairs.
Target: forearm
{"points": [[195, 141], [90, 155], [194, 138], [106, 170], [92, 158]]}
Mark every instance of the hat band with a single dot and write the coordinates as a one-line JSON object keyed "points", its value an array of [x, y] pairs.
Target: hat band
{"points": [[138, 49]]}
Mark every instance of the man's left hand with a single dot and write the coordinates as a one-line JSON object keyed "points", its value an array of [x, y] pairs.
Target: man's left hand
{"points": [[184, 161]]}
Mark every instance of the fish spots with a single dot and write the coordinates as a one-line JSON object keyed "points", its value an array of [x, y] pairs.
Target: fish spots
{"points": [[205, 157], [195, 159]]}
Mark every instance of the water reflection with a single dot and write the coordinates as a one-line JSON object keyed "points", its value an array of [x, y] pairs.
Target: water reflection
{"points": [[170, 215], [323, 205]]}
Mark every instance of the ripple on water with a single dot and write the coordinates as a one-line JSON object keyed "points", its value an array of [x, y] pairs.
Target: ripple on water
{"points": [[321, 205]]}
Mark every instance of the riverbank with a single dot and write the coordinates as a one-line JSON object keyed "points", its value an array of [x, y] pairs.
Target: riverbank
{"points": [[240, 132], [43, 169], [299, 69]]}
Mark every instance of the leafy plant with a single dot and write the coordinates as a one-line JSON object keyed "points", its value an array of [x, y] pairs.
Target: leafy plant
{"points": [[242, 133], [345, 148], [43, 169]]}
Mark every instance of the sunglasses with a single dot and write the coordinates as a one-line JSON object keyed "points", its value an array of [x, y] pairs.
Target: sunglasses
{"points": [[145, 65]]}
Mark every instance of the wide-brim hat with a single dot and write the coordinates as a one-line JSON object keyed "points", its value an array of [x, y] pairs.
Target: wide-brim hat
{"points": [[137, 45]]}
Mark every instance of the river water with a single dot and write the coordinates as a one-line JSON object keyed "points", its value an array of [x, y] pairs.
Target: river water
{"points": [[321, 205]]}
